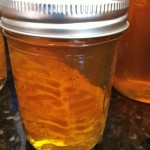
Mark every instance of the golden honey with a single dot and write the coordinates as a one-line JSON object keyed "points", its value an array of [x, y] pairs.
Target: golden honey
{"points": [[63, 89], [132, 77]]}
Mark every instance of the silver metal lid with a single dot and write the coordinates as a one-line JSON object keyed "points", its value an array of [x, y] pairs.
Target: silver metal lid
{"points": [[65, 18]]}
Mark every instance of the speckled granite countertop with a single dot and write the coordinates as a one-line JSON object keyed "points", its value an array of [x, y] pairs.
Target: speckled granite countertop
{"points": [[127, 127]]}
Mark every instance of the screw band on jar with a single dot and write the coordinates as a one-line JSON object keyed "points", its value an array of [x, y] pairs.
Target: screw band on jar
{"points": [[65, 19], [67, 8]]}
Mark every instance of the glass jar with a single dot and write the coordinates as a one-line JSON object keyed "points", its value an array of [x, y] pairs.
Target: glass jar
{"points": [[67, 83], [132, 77], [63, 62]]}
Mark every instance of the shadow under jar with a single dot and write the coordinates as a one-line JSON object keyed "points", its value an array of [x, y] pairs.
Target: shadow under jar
{"points": [[63, 74]]}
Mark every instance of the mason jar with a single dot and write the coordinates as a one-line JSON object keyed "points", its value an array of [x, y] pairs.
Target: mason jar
{"points": [[132, 77], [63, 56]]}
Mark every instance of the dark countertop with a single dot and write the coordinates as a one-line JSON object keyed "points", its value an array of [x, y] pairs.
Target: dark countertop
{"points": [[127, 126]]}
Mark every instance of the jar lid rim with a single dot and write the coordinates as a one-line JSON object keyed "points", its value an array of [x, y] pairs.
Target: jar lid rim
{"points": [[65, 18]]}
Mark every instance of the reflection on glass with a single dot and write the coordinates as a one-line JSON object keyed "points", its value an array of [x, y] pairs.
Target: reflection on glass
{"points": [[3, 68]]}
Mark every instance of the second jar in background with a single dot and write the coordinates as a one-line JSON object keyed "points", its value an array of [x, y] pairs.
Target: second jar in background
{"points": [[132, 77]]}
